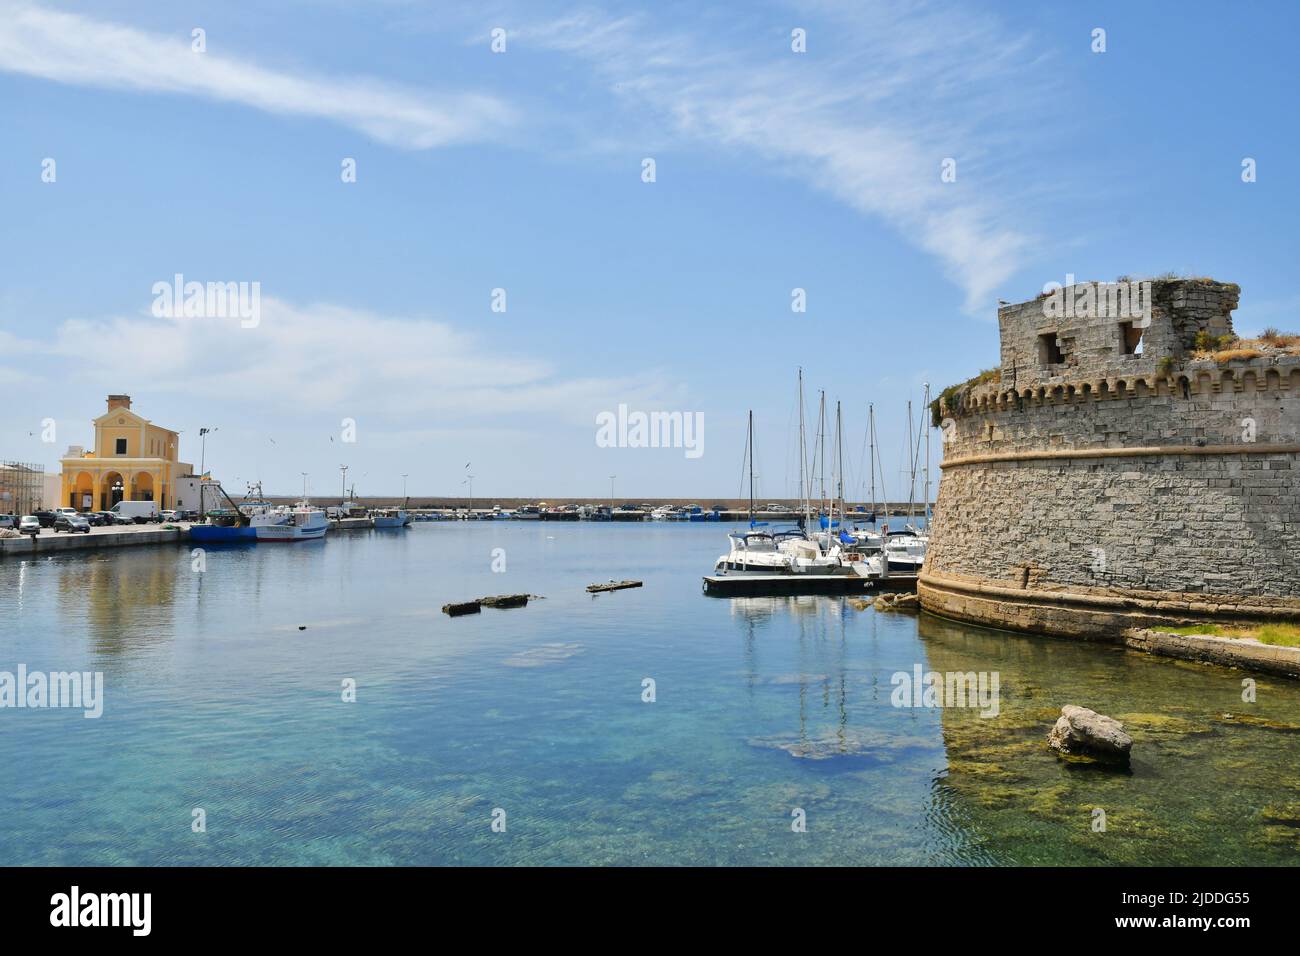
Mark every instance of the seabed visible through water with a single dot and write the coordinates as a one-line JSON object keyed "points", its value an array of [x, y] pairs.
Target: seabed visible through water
{"points": [[223, 692]]}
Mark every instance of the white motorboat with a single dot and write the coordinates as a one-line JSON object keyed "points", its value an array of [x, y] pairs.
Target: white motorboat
{"points": [[301, 523], [905, 550]]}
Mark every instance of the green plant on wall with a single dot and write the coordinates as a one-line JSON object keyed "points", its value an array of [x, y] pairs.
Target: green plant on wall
{"points": [[955, 395]]}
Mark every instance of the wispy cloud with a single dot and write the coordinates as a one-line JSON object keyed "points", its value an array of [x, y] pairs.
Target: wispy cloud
{"points": [[408, 369], [80, 50], [884, 95]]}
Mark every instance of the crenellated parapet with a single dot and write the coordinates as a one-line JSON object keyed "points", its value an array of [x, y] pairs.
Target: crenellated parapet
{"points": [[1198, 377]]}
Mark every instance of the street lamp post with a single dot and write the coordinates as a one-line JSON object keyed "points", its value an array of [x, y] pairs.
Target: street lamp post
{"points": [[203, 453], [344, 469], [611, 490]]}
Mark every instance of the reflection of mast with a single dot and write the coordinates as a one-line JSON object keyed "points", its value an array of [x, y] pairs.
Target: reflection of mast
{"points": [[844, 691]]}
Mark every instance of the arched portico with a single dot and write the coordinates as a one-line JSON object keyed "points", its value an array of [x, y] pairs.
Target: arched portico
{"points": [[112, 489], [83, 493], [142, 486]]}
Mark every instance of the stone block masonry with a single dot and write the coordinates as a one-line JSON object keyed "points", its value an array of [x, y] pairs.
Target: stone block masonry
{"points": [[1093, 489]]}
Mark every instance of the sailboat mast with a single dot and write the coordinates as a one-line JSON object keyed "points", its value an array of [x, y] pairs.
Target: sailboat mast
{"points": [[871, 431], [803, 462], [911, 464], [927, 457], [750, 454], [839, 451], [821, 445], [839, 471]]}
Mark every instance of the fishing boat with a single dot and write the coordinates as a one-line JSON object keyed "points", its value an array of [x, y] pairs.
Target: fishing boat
{"points": [[391, 518], [235, 523], [300, 523], [222, 527], [528, 513]]}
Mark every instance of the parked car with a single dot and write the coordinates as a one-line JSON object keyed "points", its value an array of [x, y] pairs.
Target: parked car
{"points": [[170, 516], [71, 522], [29, 524], [96, 518], [116, 518], [8, 521], [46, 518]]}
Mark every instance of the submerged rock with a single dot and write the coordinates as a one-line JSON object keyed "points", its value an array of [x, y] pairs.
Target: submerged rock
{"points": [[1263, 723], [1166, 724], [847, 742], [1080, 732], [545, 654], [1282, 814], [897, 602]]}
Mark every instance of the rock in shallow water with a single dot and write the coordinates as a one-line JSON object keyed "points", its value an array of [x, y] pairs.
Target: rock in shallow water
{"points": [[1081, 732]]}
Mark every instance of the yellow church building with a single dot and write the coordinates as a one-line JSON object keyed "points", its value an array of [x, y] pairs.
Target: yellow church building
{"points": [[132, 460]]}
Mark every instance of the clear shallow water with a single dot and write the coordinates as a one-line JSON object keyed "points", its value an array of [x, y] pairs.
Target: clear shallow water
{"points": [[216, 699]]}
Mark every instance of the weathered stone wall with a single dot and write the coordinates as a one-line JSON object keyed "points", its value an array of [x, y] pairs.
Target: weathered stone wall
{"points": [[1172, 313], [1108, 496]]}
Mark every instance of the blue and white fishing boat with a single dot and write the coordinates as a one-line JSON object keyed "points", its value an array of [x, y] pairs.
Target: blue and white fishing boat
{"points": [[234, 524]]}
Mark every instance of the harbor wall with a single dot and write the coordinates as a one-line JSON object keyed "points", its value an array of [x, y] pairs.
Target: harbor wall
{"points": [[1110, 490], [49, 542]]}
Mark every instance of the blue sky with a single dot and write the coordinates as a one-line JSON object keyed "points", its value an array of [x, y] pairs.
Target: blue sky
{"points": [[522, 170]]}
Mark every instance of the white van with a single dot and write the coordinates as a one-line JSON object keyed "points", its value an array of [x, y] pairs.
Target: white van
{"points": [[137, 511]]}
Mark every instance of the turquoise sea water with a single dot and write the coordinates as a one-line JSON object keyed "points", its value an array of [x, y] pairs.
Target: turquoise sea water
{"points": [[216, 699]]}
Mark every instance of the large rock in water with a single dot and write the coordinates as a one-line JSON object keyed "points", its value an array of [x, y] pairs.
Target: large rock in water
{"points": [[1081, 732]]}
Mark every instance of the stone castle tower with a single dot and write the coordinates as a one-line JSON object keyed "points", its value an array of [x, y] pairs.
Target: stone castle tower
{"points": [[1106, 477]]}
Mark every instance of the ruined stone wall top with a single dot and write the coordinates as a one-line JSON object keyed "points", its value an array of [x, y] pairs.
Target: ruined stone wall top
{"points": [[1099, 330]]}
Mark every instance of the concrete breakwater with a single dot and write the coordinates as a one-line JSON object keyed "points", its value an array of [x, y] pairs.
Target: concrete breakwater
{"points": [[1088, 488], [49, 542]]}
